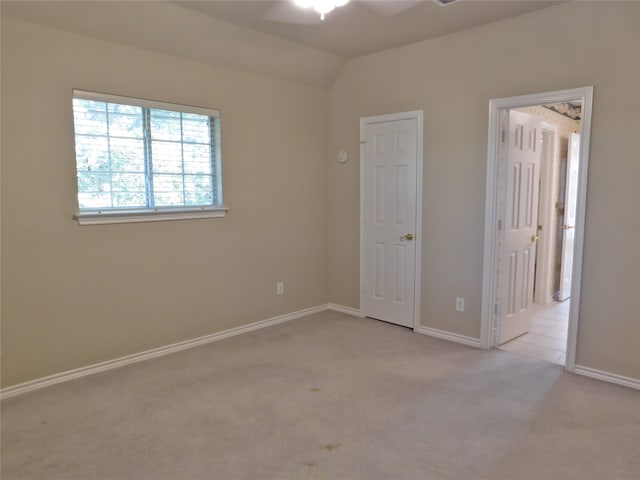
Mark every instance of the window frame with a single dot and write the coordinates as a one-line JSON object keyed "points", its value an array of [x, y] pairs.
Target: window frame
{"points": [[108, 215]]}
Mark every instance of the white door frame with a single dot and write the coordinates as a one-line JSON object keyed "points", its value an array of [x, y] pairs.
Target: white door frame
{"points": [[364, 121], [493, 214], [566, 253]]}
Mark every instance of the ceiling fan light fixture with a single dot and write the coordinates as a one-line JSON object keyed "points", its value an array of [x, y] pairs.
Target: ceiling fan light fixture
{"points": [[321, 6]]}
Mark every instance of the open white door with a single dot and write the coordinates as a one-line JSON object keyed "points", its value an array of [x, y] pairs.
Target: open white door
{"points": [[495, 220], [570, 203], [521, 222], [389, 209]]}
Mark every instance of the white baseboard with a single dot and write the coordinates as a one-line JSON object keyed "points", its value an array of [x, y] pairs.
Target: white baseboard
{"points": [[195, 342], [607, 377], [346, 310], [153, 353], [452, 337]]}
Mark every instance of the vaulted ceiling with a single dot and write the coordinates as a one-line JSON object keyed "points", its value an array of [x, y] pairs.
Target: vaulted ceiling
{"points": [[356, 29], [234, 34]]}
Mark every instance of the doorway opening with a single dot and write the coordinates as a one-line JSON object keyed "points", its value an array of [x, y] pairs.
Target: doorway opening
{"points": [[536, 191]]}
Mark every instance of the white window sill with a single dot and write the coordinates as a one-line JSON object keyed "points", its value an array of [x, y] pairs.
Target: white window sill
{"points": [[101, 217]]}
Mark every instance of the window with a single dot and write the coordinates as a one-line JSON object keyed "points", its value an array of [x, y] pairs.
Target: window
{"points": [[141, 160]]}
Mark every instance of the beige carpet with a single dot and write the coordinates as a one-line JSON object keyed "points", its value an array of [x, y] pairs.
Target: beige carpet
{"points": [[326, 397]]}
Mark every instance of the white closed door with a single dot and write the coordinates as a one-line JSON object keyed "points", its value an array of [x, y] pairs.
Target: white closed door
{"points": [[570, 206], [523, 151], [389, 219]]}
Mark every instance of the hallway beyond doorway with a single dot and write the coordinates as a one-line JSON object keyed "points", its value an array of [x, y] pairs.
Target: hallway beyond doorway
{"points": [[547, 338]]}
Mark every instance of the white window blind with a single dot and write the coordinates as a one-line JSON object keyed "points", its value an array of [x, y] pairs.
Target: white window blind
{"points": [[145, 158]]}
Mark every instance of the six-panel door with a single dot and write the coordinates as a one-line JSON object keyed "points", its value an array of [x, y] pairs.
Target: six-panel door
{"points": [[389, 220]]}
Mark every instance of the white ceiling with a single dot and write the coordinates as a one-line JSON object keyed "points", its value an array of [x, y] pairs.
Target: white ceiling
{"points": [[354, 30], [233, 34]]}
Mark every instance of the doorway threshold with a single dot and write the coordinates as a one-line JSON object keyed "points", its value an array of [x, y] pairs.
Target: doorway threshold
{"points": [[547, 338]]}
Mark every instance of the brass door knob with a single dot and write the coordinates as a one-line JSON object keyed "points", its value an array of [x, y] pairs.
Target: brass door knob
{"points": [[567, 227], [534, 238], [408, 236]]}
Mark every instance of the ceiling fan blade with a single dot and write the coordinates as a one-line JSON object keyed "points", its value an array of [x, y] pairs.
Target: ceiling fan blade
{"points": [[387, 8], [288, 12]]}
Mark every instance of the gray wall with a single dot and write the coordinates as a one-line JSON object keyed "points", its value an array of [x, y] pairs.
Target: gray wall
{"points": [[453, 78], [74, 296]]}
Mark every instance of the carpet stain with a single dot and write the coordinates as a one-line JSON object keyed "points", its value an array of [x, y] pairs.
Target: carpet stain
{"points": [[309, 464], [330, 447], [314, 389]]}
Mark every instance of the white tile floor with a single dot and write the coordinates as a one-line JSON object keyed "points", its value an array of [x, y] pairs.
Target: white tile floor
{"points": [[547, 339]]}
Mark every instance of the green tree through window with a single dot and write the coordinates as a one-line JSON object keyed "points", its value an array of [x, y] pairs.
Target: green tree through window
{"points": [[131, 156]]}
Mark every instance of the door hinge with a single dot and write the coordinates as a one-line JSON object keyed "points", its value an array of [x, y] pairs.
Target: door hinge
{"points": [[495, 312], [504, 134], [499, 225]]}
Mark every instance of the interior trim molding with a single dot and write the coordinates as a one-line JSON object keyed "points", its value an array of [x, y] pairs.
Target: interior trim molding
{"points": [[346, 310], [607, 376], [61, 377], [149, 215], [494, 213], [418, 116], [452, 337]]}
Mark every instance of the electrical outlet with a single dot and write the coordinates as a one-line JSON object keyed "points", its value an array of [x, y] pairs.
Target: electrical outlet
{"points": [[280, 288], [459, 304]]}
